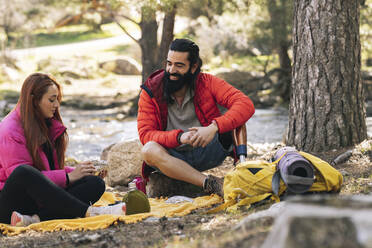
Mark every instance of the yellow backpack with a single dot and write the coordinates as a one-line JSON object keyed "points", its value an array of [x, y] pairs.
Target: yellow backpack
{"points": [[250, 182]]}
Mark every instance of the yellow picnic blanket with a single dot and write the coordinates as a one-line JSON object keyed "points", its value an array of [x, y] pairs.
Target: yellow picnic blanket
{"points": [[159, 208]]}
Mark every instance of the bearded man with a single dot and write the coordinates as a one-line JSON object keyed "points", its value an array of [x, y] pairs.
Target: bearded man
{"points": [[179, 122]]}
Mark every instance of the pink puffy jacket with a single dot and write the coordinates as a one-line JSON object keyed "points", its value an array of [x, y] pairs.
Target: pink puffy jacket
{"points": [[13, 149]]}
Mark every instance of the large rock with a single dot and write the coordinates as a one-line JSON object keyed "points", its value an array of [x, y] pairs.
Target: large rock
{"points": [[369, 62], [76, 67], [160, 185], [122, 66], [323, 221], [124, 163], [242, 80], [258, 87], [8, 73]]}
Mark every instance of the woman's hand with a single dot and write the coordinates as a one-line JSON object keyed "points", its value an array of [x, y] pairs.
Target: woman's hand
{"points": [[81, 170], [102, 173]]}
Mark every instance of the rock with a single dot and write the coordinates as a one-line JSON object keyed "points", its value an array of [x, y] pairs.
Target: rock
{"points": [[322, 232], [259, 88], [3, 108], [105, 152], [265, 98], [366, 75], [161, 185], [323, 221], [76, 67], [9, 73], [242, 80], [6, 107], [124, 163], [272, 212], [369, 109], [368, 90], [121, 66], [369, 62]]}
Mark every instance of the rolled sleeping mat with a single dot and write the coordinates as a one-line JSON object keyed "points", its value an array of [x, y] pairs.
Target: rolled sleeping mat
{"points": [[296, 172]]}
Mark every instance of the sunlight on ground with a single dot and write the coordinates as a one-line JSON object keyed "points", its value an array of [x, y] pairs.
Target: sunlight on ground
{"points": [[108, 86], [214, 223]]}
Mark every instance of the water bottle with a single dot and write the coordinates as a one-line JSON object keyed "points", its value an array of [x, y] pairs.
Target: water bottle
{"points": [[138, 183], [136, 200]]}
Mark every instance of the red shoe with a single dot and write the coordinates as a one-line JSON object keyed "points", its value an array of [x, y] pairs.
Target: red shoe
{"points": [[18, 219]]}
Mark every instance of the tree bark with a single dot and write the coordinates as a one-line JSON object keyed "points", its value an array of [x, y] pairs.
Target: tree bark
{"points": [[167, 36], [327, 101], [148, 41]]}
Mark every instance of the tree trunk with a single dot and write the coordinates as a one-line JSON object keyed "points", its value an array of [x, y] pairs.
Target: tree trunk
{"points": [[166, 36], [148, 41], [284, 78], [278, 11], [327, 101]]}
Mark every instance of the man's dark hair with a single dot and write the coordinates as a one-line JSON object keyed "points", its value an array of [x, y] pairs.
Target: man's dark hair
{"points": [[186, 45]]}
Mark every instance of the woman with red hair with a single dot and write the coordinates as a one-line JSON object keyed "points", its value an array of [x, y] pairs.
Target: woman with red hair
{"points": [[34, 183]]}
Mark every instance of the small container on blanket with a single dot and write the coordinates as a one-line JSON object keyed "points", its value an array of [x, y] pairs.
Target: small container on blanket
{"points": [[136, 201]]}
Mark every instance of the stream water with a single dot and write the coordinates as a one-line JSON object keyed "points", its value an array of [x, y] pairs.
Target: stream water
{"points": [[90, 135], [90, 131]]}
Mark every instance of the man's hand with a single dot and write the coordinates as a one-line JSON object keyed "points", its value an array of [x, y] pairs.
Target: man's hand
{"points": [[203, 135], [81, 170], [186, 137]]}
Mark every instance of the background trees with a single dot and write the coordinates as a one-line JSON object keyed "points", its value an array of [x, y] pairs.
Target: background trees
{"points": [[152, 52]]}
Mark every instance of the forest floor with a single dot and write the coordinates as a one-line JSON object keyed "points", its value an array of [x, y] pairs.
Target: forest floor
{"points": [[199, 229]]}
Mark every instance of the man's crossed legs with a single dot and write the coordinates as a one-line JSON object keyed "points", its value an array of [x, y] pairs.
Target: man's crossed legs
{"points": [[187, 165]]}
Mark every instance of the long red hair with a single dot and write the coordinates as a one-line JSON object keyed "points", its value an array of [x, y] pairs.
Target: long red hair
{"points": [[33, 121]]}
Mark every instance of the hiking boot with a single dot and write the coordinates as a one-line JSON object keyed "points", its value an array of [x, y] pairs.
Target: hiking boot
{"points": [[18, 219], [213, 185], [117, 209]]}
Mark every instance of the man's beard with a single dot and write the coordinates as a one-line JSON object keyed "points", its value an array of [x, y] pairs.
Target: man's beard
{"points": [[172, 86]]}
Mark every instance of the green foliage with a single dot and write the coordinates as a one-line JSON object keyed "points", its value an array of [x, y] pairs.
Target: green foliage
{"points": [[211, 9], [9, 95], [32, 12], [276, 28], [42, 38], [262, 63]]}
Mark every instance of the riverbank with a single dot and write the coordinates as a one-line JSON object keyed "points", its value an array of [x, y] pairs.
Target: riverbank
{"points": [[200, 229]]}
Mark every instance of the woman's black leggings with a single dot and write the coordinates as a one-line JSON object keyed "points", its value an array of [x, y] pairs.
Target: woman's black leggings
{"points": [[28, 191]]}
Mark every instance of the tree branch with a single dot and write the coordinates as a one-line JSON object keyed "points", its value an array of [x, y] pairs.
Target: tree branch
{"points": [[124, 29], [128, 18]]}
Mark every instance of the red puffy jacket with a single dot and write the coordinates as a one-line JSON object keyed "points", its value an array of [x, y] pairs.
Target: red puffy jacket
{"points": [[209, 91]]}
